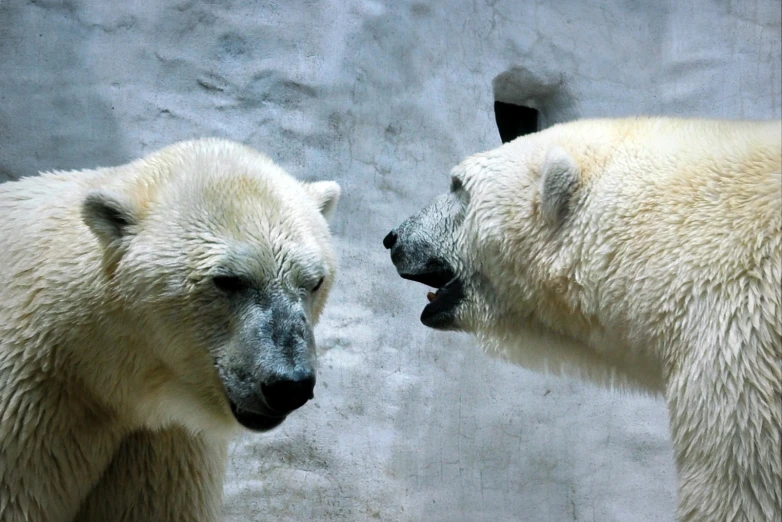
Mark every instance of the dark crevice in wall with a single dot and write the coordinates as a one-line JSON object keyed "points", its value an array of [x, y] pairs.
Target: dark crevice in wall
{"points": [[514, 120], [526, 102]]}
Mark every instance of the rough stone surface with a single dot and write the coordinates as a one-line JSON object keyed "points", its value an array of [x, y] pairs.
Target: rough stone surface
{"points": [[385, 97]]}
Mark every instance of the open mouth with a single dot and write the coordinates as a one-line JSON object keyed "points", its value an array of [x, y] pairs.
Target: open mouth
{"points": [[440, 312], [255, 421]]}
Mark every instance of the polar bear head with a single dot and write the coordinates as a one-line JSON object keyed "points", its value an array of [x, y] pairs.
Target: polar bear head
{"points": [[484, 245], [223, 263]]}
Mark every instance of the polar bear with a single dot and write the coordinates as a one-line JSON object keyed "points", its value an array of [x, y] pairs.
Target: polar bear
{"points": [[641, 252], [146, 312]]}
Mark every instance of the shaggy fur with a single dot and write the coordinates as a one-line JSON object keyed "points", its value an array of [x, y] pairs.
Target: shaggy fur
{"points": [[644, 253], [119, 355]]}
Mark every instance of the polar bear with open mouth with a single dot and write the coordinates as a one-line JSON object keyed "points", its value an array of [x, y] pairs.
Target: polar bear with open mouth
{"points": [[645, 252]]}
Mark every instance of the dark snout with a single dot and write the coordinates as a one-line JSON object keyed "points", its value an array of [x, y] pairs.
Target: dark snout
{"points": [[418, 262], [420, 254], [272, 372]]}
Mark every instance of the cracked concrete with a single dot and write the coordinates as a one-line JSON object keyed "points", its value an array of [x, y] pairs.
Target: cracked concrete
{"points": [[385, 97]]}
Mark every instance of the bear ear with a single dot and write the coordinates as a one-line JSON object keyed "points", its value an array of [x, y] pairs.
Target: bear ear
{"points": [[559, 179], [326, 195], [108, 216]]}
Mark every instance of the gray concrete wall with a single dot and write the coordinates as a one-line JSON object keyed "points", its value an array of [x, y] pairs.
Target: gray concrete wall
{"points": [[385, 97]]}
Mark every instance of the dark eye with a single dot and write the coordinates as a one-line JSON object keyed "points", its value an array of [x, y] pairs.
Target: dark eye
{"points": [[229, 284], [317, 286]]}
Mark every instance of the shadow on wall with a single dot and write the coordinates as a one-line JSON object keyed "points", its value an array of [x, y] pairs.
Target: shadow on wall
{"points": [[525, 102], [52, 115]]}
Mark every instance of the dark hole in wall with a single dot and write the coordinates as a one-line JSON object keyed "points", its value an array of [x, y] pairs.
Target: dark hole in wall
{"points": [[529, 101], [515, 120]]}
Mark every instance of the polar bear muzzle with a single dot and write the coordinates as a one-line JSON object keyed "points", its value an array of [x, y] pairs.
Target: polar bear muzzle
{"points": [[422, 250], [268, 370], [440, 312]]}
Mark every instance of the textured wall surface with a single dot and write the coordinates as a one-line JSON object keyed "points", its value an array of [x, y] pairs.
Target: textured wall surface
{"points": [[385, 97]]}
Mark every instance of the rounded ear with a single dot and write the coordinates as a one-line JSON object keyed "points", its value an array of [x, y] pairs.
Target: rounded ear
{"points": [[108, 216], [326, 195], [559, 179]]}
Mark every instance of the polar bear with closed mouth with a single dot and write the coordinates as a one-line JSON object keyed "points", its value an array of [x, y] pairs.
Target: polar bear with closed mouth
{"points": [[645, 252], [146, 312]]}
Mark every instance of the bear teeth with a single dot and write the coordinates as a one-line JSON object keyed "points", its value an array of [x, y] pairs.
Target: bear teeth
{"points": [[431, 296]]}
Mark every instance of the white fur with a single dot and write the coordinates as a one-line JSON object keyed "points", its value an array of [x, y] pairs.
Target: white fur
{"points": [[111, 408], [664, 273]]}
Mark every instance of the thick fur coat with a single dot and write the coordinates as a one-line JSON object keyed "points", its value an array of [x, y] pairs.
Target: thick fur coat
{"points": [[643, 253], [146, 312]]}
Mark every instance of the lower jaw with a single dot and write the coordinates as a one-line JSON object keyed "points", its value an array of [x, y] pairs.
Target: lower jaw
{"points": [[440, 313], [256, 422]]}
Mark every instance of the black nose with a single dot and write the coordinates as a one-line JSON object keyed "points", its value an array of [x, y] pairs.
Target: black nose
{"points": [[285, 394], [390, 240]]}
